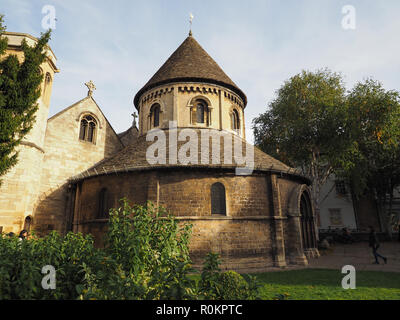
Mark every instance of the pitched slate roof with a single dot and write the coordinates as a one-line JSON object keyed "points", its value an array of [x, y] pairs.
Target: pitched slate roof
{"points": [[133, 157], [190, 62]]}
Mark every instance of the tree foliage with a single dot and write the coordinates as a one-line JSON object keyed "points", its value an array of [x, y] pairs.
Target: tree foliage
{"points": [[19, 92], [374, 125], [304, 125], [313, 124]]}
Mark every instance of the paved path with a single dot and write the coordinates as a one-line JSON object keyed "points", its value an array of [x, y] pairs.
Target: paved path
{"points": [[360, 256]]}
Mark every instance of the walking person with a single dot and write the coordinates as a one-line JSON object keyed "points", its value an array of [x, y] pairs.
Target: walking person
{"points": [[374, 243]]}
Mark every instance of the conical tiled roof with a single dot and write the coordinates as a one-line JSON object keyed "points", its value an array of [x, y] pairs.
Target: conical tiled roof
{"points": [[134, 157], [190, 62]]}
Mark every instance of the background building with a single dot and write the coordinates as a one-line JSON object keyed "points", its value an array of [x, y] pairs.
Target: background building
{"points": [[340, 209]]}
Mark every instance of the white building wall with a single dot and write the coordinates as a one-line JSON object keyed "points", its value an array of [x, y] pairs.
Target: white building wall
{"points": [[333, 202]]}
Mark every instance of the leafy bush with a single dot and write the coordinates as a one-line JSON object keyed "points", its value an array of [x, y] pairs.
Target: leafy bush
{"points": [[146, 256], [229, 285], [21, 263], [234, 286], [209, 284]]}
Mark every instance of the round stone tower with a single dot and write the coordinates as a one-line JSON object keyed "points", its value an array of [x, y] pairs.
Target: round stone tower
{"points": [[20, 187], [256, 219], [193, 91]]}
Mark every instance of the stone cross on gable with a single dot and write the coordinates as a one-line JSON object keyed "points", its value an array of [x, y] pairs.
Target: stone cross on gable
{"points": [[134, 115], [91, 87]]}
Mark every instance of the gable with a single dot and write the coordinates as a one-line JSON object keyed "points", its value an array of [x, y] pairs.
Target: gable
{"points": [[77, 110], [66, 154]]}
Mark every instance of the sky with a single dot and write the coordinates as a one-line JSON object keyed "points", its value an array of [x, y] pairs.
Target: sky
{"points": [[258, 43]]}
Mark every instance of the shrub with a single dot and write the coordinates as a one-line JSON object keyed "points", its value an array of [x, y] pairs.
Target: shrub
{"points": [[21, 263], [234, 286], [146, 256], [149, 251], [229, 285]]}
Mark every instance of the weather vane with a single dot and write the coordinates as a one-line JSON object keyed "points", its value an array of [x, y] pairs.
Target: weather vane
{"points": [[190, 20]]}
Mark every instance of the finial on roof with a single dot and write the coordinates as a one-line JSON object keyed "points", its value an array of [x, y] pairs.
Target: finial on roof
{"points": [[134, 115], [91, 87], [190, 20]]}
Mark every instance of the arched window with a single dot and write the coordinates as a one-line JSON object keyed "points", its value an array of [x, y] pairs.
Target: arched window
{"points": [[235, 120], [28, 223], [200, 110], [46, 90], [200, 113], [218, 199], [82, 133], [103, 204], [91, 129], [88, 129], [48, 78], [155, 115], [307, 222]]}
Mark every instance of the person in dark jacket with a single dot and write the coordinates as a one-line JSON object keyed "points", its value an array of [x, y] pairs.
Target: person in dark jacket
{"points": [[374, 243], [23, 234]]}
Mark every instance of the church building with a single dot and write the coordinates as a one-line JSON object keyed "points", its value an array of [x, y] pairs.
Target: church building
{"points": [[74, 167]]}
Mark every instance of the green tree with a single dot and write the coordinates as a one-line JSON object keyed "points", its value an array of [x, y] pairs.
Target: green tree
{"points": [[19, 92], [374, 126], [304, 126]]}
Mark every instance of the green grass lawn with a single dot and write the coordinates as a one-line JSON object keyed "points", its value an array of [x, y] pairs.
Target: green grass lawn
{"points": [[324, 284]]}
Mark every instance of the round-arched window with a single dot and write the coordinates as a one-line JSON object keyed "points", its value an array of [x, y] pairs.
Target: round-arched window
{"points": [[155, 115], [46, 89], [218, 199], [200, 112], [103, 204], [235, 120]]}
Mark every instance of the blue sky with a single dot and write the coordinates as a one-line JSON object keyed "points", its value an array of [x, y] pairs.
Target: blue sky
{"points": [[259, 44]]}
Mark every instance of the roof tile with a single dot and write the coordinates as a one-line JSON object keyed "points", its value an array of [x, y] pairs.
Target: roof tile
{"points": [[190, 62]]}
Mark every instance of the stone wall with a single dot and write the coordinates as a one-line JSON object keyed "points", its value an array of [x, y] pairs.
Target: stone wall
{"points": [[176, 100], [132, 186], [19, 189], [189, 193], [254, 235], [67, 156], [182, 192], [244, 244]]}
